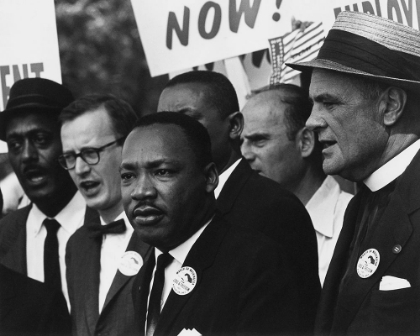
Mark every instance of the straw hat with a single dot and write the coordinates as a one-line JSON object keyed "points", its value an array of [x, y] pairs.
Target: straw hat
{"points": [[370, 46], [35, 95]]}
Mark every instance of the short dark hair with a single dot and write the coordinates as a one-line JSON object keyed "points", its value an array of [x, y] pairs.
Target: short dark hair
{"points": [[298, 109], [196, 134], [121, 113], [221, 92]]}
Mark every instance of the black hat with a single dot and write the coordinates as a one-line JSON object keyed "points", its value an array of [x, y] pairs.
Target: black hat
{"points": [[372, 47], [35, 95]]}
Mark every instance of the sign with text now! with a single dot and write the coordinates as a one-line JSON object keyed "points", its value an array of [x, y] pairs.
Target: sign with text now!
{"points": [[180, 34]]}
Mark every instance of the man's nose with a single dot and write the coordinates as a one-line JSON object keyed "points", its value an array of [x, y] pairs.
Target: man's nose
{"points": [[144, 188], [247, 152], [29, 151], [315, 121], [81, 167]]}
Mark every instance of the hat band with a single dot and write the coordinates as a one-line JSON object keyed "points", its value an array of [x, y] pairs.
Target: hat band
{"points": [[31, 99], [360, 53]]}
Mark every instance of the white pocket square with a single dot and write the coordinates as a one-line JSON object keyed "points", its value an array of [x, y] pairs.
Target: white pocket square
{"points": [[389, 283], [189, 332]]}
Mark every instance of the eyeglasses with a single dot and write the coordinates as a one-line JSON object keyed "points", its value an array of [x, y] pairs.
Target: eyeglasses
{"points": [[89, 155]]}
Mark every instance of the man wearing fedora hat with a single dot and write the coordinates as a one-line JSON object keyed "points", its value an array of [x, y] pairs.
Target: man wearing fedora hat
{"points": [[364, 87], [33, 239]]}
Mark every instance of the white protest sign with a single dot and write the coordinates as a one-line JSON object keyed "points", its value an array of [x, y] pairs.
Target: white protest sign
{"points": [[29, 44], [406, 12], [180, 34]]}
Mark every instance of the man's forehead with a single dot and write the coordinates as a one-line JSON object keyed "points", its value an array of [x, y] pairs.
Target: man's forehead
{"points": [[26, 122], [182, 96], [327, 82], [157, 140]]}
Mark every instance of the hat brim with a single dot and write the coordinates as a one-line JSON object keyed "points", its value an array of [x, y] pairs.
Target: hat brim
{"points": [[334, 66], [15, 111]]}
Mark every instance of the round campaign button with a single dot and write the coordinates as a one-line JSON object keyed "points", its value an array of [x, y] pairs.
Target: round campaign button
{"points": [[130, 263], [368, 263], [185, 280]]}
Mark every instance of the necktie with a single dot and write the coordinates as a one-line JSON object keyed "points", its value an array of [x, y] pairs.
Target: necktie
{"points": [[153, 312], [99, 230], [51, 262]]}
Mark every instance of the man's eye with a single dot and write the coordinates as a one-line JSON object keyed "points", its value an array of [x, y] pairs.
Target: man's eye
{"points": [[164, 172], [328, 104], [126, 177], [41, 139], [259, 142], [14, 145]]}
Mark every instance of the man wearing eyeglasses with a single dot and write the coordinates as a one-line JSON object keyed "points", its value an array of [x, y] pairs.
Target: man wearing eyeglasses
{"points": [[102, 258]]}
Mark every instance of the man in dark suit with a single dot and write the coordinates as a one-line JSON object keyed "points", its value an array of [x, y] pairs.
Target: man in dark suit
{"points": [[211, 278], [28, 307], [104, 255], [245, 198], [33, 239], [364, 86]]}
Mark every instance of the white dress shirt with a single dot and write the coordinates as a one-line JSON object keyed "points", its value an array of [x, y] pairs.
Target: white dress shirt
{"points": [[326, 209], [112, 248], [223, 177], [392, 169], [179, 254], [70, 218]]}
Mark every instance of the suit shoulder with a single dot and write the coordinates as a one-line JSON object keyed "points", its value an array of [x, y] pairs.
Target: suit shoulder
{"points": [[11, 227], [14, 218]]}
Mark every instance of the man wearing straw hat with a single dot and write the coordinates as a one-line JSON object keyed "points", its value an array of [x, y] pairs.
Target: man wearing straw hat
{"points": [[365, 88]]}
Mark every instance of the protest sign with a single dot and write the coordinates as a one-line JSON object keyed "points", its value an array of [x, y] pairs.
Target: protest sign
{"points": [[29, 44], [406, 12], [180, 34]]}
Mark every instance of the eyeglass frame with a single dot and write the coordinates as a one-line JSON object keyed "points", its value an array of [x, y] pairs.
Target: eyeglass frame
{"points": [[62, 157]]}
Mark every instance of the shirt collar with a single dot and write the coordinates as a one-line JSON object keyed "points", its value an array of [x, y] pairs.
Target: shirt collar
{"points": [[321, 206], [181, 251], [223, 177], [68, 217], [392, 169]]}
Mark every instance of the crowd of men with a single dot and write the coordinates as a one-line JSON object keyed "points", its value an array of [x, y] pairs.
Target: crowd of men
{"points": [[202, 219]]}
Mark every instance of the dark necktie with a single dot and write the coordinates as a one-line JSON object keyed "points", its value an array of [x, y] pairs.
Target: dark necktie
{"points": [[153, 311], [51, 261], [99, 230]]}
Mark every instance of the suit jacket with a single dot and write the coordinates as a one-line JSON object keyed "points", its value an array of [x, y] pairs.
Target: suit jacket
{"points": [[241, 287], [83, 271], [29, 307], [258, 203], [13, 238], [361, 308]]}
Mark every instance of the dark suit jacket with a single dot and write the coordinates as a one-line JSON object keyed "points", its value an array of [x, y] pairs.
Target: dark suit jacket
{"points": [[258, 203], [83, 269], [29, 307], [361, 308], [241, 287], [13, 238]]}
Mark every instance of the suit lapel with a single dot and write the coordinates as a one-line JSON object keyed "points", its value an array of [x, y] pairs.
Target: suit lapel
{"points": [[120, 280], [233, 186], [394, 228], [337, 267], [200, 257], [15, 258]]}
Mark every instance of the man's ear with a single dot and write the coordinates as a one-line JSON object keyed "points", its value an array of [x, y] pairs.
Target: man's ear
{"points": [[306, 141], [211, 177], [392, 104], [236, 124]]}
